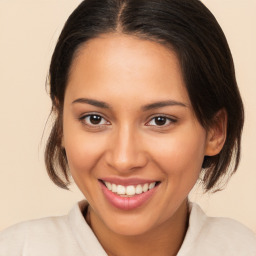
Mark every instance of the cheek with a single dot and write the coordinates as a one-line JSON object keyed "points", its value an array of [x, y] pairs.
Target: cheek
{"points": [[83, 154], [83, 150], [180, 154]]}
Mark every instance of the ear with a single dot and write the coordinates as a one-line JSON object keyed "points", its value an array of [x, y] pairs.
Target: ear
{"points": [[216, 133]]}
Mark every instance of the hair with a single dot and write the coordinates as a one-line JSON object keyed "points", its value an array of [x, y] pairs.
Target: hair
{"points": [[189, 29]]}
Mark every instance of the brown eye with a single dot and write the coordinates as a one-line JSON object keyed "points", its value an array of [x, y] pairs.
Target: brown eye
{"points": [[94, 120], [160, 120]]}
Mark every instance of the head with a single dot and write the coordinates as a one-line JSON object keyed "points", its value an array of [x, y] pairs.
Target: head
{"points": [[113, 63]]}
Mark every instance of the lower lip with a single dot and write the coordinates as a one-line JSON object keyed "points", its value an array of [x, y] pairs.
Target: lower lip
{"points": [[127, 203]]}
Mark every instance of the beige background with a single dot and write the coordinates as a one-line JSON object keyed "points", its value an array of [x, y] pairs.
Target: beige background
{"points": [[28, 32]]}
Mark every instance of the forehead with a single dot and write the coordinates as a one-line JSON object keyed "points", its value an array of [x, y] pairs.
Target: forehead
{"points": [[121, 65]]}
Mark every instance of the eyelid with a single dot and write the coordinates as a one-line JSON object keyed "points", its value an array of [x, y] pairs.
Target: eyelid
{"points": [[170, 118], [85, 115]]}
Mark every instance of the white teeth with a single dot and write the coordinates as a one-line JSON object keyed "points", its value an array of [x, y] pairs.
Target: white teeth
{"points": [[114, 188], [109, 186], [138, 189], [152, 185], [129, 190], [120, 190], [145, 187]]}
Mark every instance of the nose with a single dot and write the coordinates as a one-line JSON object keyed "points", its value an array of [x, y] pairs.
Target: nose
{"points": [[126, 151]]}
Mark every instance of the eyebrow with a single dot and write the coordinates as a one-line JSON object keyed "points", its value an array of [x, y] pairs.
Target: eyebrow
{"points": [[92, 102], [102, 104], [161, 104]]}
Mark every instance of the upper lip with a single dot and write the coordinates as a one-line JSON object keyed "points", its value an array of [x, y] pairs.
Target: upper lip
{"points": [[127, 181]]}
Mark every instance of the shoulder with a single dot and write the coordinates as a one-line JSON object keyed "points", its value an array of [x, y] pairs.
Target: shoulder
{"points": [[38, 226], [229, 234], [65, 235], [52, 235], [37, 232], [218, 236]]}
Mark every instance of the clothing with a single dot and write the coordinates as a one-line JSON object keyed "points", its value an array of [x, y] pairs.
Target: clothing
{"points": [[70, 235]]}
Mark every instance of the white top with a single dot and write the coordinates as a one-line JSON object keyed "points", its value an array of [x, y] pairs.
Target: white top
{"points": [[70, 235]]}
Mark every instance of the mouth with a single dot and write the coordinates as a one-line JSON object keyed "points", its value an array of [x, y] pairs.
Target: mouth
{"points": [[128, 194], [129, 190]]}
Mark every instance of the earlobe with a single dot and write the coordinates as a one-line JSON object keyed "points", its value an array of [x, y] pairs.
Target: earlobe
{"points": [[216, 134]]}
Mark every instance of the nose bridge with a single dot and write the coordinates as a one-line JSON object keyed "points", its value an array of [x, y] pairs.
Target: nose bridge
{"points": [[126, 152]]}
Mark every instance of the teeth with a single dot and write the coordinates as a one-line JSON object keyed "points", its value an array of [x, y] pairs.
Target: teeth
{"points": [[138, 189], [114, 188], [120, 190], [145, 188], [109, 186], [152, 185], [129, 190]]}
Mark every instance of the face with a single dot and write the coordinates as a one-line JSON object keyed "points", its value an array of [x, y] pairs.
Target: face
{"points": [[134, 146]]}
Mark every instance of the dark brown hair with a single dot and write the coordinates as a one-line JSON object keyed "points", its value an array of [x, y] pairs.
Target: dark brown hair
{"points": [[188, 28]]}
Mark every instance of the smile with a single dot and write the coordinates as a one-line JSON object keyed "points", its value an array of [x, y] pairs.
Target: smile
{"points": [[128, 196], [130, 190]]}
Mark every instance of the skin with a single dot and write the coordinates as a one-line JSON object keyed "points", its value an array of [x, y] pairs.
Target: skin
{"points": [[127, 73]]}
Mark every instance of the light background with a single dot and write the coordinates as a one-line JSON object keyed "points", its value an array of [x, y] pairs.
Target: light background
{"points": [[28, 33]]}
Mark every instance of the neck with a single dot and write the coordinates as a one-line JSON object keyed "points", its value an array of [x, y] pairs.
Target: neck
{"points": [[163, 240]]}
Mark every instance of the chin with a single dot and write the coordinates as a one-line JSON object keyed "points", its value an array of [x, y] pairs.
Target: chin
{"points": [[131, 223], [130, 228]]}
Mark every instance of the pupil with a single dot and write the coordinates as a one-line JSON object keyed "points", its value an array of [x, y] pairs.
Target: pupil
{"points": [[95, 119], [160, 120]]}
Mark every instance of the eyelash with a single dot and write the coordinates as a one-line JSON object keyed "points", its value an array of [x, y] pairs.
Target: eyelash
{"points": [[168, 119], [94, 126]]}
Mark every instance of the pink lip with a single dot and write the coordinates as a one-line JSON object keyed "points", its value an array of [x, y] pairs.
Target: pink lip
{"points": [[127, 181], [127, 203]]}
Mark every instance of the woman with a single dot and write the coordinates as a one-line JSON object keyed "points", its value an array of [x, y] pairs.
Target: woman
{"points": [[145, 102]]}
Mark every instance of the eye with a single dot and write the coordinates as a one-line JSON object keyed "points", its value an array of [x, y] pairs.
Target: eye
{"points": [[161, 121], [94, 120]]}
